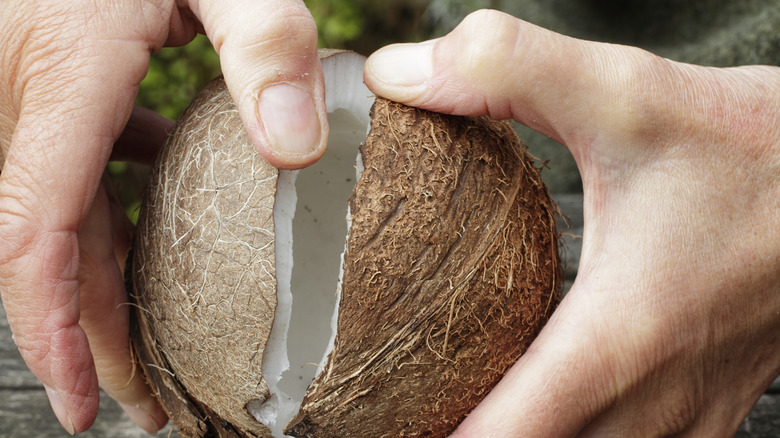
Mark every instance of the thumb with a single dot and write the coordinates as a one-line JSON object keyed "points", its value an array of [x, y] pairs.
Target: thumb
{"points": [[497, 65], [268, 51]]}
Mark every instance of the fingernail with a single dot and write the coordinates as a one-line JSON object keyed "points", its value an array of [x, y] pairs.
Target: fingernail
{"points": [[59, 410], [403, 64], [290, 119], [149, 420]]}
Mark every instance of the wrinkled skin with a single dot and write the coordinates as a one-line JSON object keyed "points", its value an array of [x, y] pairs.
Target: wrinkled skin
{"points": [[70, 72], [672, 325]]}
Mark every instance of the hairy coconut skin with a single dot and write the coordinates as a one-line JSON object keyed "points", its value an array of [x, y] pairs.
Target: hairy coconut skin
{"points": [[451, 270], [203, 273]]}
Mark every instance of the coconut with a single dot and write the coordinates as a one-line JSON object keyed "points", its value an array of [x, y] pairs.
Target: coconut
{"points": [[255, 317]]}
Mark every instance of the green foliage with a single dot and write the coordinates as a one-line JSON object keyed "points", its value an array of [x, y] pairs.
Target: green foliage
{"points": [[128, 180], [176, 74], [366, 25], [338, 21]]}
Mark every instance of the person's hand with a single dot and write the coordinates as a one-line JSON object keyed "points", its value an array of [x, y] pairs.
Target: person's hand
{"points": [[672, 325], [69, 72]]}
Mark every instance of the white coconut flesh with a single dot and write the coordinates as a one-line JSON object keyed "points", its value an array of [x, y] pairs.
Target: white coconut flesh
{"points": [[311, 205]]}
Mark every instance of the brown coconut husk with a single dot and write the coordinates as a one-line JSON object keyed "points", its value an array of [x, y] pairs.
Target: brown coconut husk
{"points": [[451, 270]]}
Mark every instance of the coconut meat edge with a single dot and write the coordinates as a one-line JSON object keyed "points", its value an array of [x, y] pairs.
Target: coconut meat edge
{"points": [[310, 204]]}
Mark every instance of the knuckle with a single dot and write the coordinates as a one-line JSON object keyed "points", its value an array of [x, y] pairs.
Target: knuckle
{"points": [[38, 270], [59, 356], [488, 47], [33, 347], [486, 59], [296, 29], [484, 17], [17, 230], [283, 31], [281, 48]]}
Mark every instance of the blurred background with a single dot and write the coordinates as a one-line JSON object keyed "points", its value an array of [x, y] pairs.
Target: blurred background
{"points": [[709, 32]]}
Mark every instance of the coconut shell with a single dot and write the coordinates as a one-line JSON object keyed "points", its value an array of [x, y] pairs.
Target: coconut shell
{"points": [[451, 270], [203, 273]]}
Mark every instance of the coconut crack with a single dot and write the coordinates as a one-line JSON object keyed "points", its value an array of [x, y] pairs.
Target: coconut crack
{"points": [[449, 270], [311, 204]]}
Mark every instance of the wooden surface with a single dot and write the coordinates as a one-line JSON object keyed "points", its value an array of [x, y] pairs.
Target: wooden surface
{"points": [[25, 411]]}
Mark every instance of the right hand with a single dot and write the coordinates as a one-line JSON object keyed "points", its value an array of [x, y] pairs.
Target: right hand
{"points": [[671, 326]]}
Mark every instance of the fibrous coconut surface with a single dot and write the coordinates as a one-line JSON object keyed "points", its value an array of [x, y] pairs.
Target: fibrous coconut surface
{"points": [[449, 270]]}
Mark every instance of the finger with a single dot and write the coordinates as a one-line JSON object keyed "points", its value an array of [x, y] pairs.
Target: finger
{"points": [[516, 70], [43, 198], [142, 137], [105, 317], [72, 103], [268, 51]]}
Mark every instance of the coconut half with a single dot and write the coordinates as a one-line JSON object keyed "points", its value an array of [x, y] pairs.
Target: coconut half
{"points": [[256, 318]]}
